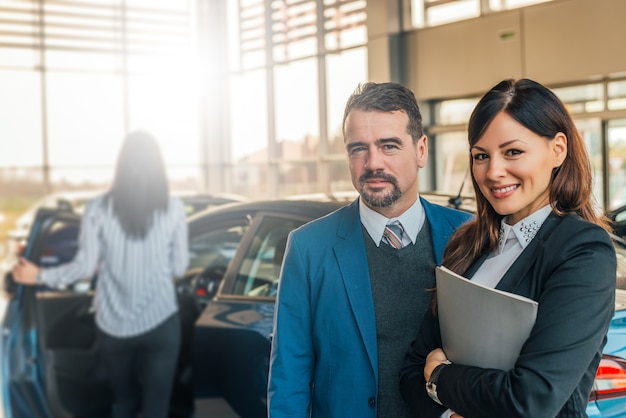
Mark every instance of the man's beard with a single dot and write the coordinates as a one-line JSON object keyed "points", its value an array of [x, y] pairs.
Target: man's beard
{"points": [[374, 199]]}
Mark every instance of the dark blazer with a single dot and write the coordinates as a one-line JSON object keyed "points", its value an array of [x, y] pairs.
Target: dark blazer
{"points": [[569, 268], [324, 349]]}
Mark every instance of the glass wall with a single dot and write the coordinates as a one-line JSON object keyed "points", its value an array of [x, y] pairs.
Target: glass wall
{"points": [[77, 76], [591, 131], [291, 67], [248, 92], [425, 13], [616, 134]]}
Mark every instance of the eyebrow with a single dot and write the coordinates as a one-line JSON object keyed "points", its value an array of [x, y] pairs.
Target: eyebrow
{"points": [[378, 142], [503, 145]]}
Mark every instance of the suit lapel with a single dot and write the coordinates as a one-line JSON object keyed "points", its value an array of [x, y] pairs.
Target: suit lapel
{"points": [[527, 258], [440, 227], [352, 261]]}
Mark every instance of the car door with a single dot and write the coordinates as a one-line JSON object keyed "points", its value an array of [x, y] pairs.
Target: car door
{"points": [[50, 354], [213, 242], [234, 329]]}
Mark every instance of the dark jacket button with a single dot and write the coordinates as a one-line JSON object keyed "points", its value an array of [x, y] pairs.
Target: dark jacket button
{"points": [[372, 402]]}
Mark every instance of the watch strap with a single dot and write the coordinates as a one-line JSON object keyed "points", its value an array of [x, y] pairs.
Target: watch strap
{"points": [[437, 371], [431, 385]]}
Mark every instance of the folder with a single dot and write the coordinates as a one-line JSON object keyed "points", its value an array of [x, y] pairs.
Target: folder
{"points": [[481, 326]]}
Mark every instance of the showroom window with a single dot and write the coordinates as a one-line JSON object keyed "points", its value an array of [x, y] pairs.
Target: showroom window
{"points": [[616, 134], [425, 13], [287, 64], [77, 75]]}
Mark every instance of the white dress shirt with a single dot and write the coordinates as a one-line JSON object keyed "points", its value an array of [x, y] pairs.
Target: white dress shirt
{"points": [[411, 220]]}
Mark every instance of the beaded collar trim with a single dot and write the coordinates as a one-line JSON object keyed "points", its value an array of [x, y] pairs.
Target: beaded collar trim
{"points": [[525, 230]]}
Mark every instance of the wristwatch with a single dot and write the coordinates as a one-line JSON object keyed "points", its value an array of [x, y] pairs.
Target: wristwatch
{"points": [[431, 385]]}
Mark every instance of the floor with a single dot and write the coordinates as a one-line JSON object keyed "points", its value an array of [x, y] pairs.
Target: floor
{"points": [[214, 408]]}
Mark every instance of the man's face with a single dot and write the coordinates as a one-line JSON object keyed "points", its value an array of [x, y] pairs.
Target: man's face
{"points": [[383, 159]]}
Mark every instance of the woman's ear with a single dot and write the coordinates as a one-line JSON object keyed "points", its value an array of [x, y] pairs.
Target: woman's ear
{"points": [[559, 148]]}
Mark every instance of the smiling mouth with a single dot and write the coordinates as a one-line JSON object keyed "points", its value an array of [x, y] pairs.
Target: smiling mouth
{"points": [[504, 189], [502, 192]]}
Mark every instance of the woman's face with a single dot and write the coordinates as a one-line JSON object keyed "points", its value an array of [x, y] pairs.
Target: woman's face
{"points": [[513, 166]]}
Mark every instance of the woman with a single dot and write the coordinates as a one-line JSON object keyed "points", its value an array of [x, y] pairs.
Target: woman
{"points": [[535, 234], [135, 237]]}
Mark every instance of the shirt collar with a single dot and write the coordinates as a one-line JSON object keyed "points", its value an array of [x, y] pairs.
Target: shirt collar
{"points": [[523, 231], [412, 220]]}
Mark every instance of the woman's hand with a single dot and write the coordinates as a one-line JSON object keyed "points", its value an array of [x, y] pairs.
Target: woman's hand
{"points": [[434, 359], [25, 272]]}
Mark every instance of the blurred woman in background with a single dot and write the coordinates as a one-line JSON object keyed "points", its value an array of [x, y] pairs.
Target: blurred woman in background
{"points": [[135, 238]]}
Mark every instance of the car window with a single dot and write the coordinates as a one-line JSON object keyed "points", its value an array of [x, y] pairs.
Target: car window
{"points": [[215, 248], [260, 268], [60, 244], [620, 216]]}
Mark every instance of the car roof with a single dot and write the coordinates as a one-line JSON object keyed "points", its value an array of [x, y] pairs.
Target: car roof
{"points": [[308, 208]]}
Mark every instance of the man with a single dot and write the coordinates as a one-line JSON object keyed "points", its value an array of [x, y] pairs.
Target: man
{"points": [[350, 303]]}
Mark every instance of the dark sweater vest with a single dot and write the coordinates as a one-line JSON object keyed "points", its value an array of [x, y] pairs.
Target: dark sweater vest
{"points": [[400, 280]]}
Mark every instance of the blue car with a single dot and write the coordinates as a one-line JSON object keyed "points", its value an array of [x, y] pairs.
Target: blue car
{"points": [[50, 362], [608, 398]]}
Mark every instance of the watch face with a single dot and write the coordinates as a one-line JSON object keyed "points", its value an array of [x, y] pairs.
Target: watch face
{"points": [[431, 385], [431, 389]]}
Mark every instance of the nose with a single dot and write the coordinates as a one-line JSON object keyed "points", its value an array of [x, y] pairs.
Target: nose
{"points": [[374, 160], [496, 168]]}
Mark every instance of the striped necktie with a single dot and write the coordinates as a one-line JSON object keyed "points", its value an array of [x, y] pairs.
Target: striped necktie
{"points": [[393, 235]]}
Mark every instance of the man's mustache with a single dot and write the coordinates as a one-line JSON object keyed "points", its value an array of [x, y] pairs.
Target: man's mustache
{"points": [[377, 175]]}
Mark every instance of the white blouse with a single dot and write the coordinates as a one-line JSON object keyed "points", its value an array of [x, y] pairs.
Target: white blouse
{"points": [[512, 242], [135, 289]]}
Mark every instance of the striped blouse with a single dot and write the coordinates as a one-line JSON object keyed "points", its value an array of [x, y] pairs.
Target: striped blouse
{"points": [[135, 290]]}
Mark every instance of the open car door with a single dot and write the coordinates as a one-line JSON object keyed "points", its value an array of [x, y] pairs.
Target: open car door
{"points": [[50, 357]]}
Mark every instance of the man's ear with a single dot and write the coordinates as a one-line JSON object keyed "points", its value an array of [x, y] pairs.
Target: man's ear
{"points": [[422, 151]]}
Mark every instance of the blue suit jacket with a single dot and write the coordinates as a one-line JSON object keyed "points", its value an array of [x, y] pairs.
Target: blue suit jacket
{"points": [[324, 359]]}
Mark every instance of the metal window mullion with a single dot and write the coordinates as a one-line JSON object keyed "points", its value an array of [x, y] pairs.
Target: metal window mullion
{"points": [[271, 102], [40, 45], [124, 65], [156, 17], [323, 173], [93, 6], [484, 7], [112, 27], [438, 3], [604, 149], [432, 145], [239, 22]]}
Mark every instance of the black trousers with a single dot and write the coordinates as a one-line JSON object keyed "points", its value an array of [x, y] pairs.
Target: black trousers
{"points": [[142, 368]]}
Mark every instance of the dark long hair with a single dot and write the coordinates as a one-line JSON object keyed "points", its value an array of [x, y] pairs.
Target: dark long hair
{"points": [[538, 109], [140, 187]]}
